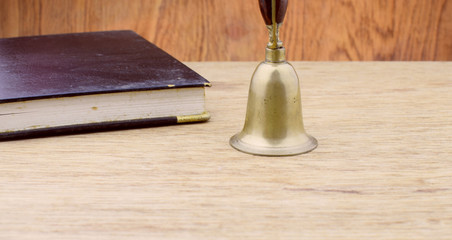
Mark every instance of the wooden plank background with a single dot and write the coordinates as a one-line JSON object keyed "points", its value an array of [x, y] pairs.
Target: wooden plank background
{"points": [[232, 30]]}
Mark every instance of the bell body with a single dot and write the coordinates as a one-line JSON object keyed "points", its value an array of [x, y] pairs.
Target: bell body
{"points": [[274, 122]]}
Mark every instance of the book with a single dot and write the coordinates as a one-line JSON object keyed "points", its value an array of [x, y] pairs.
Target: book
{"points": [[97, 81]]}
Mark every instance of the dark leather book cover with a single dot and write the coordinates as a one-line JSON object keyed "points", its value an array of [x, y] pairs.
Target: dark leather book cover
{"points": [[79, 64], [87, 63]]}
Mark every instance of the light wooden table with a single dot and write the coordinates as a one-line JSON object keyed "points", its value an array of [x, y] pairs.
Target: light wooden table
{"points": [[383, 169]]}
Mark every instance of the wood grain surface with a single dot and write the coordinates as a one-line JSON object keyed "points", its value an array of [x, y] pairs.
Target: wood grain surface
{"points": [[224, 30], [382, 170]]}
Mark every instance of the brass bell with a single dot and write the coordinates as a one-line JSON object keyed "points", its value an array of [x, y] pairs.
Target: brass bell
{"points": [[274, 122]]}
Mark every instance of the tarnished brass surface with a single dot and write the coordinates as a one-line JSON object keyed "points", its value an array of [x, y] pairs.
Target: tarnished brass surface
{"points": [[277, 55], [194, 118], [274, 123]]}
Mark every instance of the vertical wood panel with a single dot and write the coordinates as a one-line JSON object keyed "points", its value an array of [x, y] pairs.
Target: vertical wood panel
{"points": [[30, 15], [61, 16], [443, 47], [9, 18], [376, 30], [205, 30], [229, 31]]}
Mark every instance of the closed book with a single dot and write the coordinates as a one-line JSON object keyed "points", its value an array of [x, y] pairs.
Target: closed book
{"points": [[85, 82]]}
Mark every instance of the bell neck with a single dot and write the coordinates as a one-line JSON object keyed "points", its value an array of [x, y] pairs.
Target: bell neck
{"points": [[274, 52], [276, 55]]}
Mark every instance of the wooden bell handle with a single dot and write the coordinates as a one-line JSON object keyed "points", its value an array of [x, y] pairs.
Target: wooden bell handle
{"points": [[266, 10]]}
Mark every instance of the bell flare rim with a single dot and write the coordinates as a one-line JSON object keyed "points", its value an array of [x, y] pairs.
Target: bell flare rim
{"points": [[258, 150]]}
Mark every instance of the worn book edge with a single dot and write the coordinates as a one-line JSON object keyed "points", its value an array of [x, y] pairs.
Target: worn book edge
{"points": [[103, 127]]}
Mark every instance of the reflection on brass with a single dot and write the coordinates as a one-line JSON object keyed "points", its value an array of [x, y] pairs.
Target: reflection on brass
{"points": [[274, 123]]}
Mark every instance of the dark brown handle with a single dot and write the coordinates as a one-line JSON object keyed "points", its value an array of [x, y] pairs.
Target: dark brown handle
{"points": [[266, 10]]}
